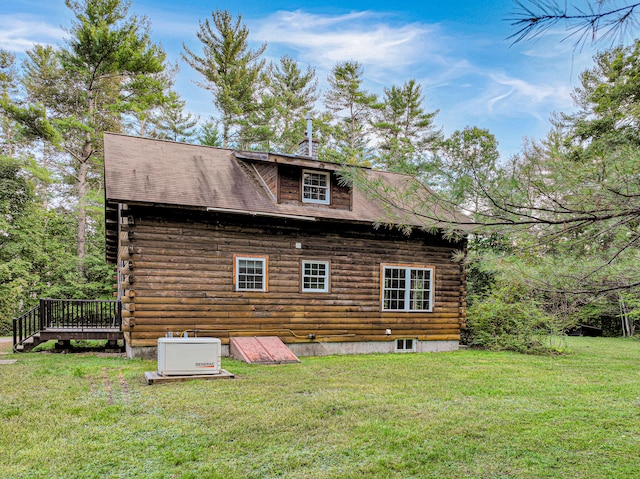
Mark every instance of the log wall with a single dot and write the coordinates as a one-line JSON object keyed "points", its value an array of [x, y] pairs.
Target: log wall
{"points": [[176, 274]]}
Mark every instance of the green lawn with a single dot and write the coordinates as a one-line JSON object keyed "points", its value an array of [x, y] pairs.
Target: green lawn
{"points": [[468, 414]]}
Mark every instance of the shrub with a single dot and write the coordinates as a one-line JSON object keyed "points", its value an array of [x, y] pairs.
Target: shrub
{"points": [[506, 319]]}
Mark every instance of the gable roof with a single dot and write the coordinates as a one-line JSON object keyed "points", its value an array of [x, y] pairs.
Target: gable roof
{"points": [[151, 171]]}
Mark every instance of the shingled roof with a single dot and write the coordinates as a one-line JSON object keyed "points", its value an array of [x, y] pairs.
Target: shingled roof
{"points": [[150, 171]]}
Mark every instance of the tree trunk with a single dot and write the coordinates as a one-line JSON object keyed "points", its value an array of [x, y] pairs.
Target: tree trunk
{"points": [[83, 189], [225, 133], [624, 316], [82, 210]]}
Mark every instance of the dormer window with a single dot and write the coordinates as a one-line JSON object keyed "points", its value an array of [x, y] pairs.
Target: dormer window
{"points": [[315, 187]]}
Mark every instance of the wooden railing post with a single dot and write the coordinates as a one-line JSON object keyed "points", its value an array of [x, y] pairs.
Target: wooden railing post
{"points": [[15, 333], [42, 315]]}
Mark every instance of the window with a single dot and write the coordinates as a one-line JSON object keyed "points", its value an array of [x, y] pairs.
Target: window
{"points": [[406, 345], [315, 276], [315, 187], [251, 273], [406, 288]]}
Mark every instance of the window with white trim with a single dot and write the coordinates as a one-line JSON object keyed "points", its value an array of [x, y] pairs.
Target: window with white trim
{"points": [[251, 273], [315, 187], [406, 288], [315, 276], [406, 345]]}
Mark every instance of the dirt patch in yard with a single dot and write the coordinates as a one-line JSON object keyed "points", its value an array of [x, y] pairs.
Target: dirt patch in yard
{"points": [[5, 345]]}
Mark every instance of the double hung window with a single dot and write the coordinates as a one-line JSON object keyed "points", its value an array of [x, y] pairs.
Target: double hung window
{"points": [[406, 288], [315, 276], [251, 273], [315, 187]]}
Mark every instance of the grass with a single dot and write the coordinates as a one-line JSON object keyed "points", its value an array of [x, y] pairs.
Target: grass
{"points": [[468, 414]]}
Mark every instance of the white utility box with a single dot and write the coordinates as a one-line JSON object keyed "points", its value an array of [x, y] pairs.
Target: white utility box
{"points": [[188, 356]]}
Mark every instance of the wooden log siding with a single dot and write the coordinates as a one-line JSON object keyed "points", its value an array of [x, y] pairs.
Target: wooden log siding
{"points": [[182, 271]]}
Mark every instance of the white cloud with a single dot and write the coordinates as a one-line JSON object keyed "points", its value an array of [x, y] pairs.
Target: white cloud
{"points": [[508, 96], [18, 33], [323, 40], [536, 94]]}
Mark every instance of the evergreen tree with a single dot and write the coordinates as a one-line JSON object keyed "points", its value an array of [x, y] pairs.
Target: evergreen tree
{"points": [[8, 89], [257, 128], [99, 76], [230, 68], [152, 96], [209, 134], [295, 93], [353, 107], [609, 103], [172, 123], [407, 133]]}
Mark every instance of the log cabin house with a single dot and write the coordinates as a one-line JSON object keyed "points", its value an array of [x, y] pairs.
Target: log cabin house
{"points": [[227, 243]]}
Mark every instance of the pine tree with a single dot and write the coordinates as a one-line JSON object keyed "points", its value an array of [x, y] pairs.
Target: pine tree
{"points": [[8, 89], [209, 134], [257, 127], [295, 93], [231, 70], [353, 107], [99, 75], [152, 95], [407, 133], [172, 123]]}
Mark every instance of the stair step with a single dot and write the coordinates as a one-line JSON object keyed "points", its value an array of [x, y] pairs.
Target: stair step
{"points": [[29, 343]]}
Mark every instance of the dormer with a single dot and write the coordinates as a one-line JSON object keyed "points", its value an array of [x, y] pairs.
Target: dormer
{"points": [[301, 179], [314, 185], [298, 180]]}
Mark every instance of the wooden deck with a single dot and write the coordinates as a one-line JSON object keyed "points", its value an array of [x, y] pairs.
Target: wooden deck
{"points": [[66, 320], [112, 334]]}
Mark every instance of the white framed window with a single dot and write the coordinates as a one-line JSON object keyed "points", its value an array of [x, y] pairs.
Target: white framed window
{"points": [[315, 276], [315, 187], [251, 273], [406, 345], [406, 288]]}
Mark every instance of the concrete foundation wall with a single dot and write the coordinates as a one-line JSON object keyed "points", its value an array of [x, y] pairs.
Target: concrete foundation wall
{"points": [[324, 349], [370, 347]]}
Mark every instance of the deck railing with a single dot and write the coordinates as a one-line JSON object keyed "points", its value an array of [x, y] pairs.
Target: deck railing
{"points": [[26, 325], [77, 314], [81, 314]]}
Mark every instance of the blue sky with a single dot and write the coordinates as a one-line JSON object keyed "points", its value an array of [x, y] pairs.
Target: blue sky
{"points": [[458, 50]]}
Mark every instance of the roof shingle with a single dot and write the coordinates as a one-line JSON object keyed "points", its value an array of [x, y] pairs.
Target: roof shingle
{"points": [[150, 171]]}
